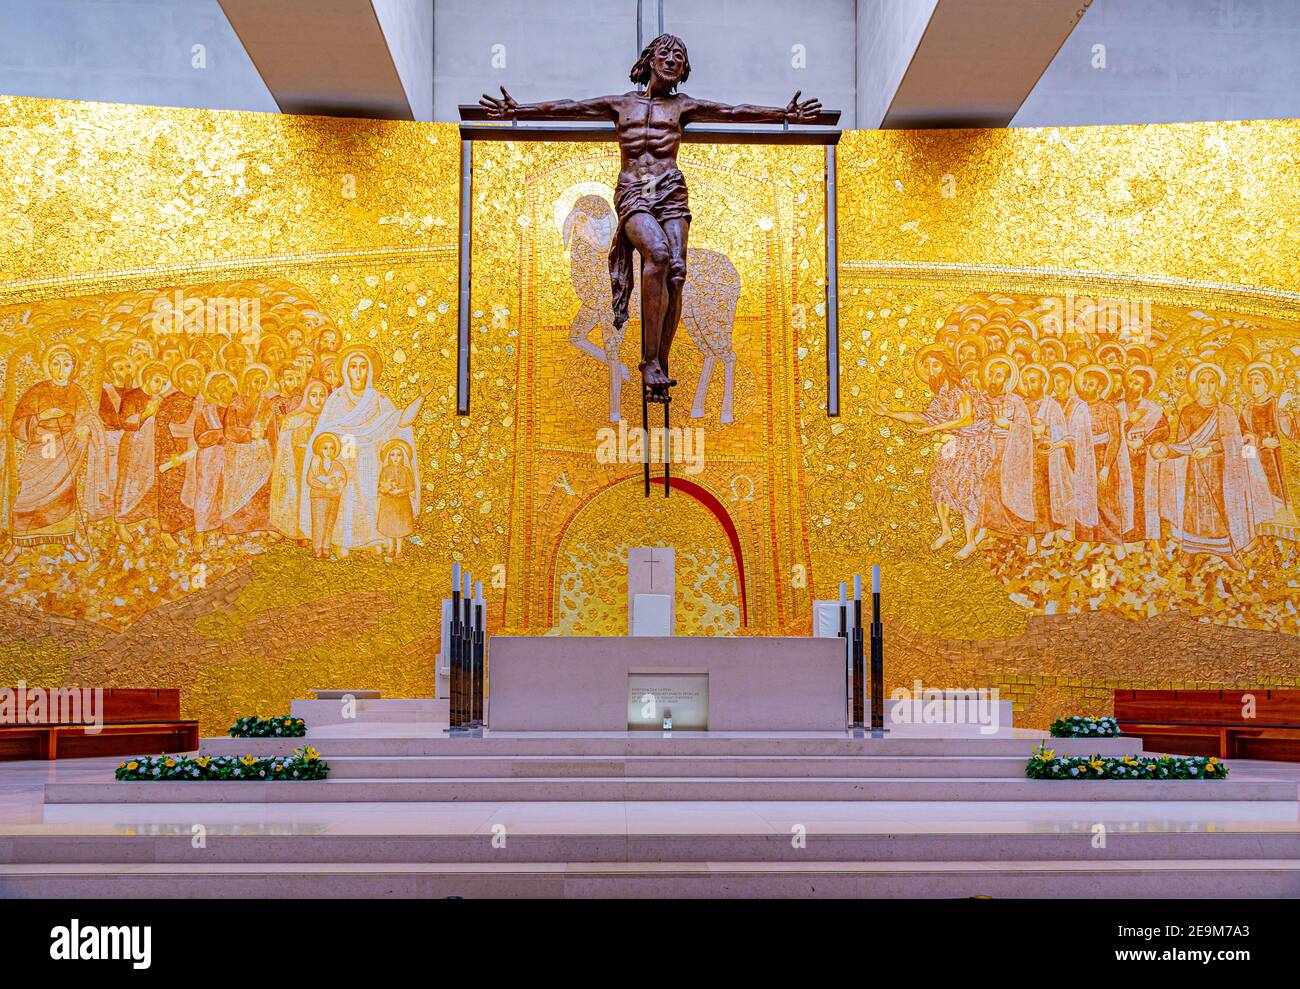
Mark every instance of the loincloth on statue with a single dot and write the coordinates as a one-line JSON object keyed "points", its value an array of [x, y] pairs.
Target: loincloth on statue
{"points": [[664, 199]]}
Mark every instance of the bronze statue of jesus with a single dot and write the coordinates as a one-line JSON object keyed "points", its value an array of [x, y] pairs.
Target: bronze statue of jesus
{"points": [[650, 197]]}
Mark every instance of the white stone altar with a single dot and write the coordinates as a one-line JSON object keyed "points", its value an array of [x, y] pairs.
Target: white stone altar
{"points": [[582, 683]]}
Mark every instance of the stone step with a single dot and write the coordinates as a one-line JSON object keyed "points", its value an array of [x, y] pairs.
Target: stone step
{"points": [[514, 767], [944, 842], [655, 744], [371, 711], [667, 788], [1167, 878]]}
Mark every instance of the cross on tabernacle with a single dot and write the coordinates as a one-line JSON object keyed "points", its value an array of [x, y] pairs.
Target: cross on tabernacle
{"points": [[650, 198], [660, 569]]}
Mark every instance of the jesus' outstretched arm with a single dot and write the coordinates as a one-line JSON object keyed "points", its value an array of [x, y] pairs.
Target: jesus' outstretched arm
{"points": [[506, 107], [706, 111]]}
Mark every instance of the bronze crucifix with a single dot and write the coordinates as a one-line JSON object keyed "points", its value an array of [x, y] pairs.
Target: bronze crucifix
{"points": [[650, 198]]}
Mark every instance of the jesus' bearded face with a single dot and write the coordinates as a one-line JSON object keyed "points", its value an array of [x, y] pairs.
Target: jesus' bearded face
{"points": [[669, 62]]}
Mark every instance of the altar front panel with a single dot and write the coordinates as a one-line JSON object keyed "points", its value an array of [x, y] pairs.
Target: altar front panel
{"points": [[548, 683]]}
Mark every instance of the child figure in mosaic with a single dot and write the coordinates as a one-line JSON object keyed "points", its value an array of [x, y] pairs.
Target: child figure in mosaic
{"points": [[395, 519], [326, 478]]}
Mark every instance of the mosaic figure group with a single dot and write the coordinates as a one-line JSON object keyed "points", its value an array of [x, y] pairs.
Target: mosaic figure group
{"points": [[213, 436], [1059, 437]]}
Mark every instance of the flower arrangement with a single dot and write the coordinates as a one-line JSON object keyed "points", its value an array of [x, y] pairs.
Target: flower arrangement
{"points": [[277, 727], [1045, 764], [304, 764], [1081, 727]]}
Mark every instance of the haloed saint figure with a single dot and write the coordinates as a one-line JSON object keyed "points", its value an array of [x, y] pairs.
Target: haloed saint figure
{"points": [[650, 198]]}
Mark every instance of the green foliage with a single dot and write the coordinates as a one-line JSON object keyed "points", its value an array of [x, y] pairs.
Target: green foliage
{"points": [[304, 764], [1045, 764], [1081, 727], [278, 727]]}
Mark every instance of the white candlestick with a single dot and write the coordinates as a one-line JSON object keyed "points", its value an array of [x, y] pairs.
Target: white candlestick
{"points": [[875, 578], [465, 592], [857, 587], [844, 593], [455, 576]]}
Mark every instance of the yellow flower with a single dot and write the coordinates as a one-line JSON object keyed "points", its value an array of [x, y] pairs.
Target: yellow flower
{"points": [[1047, 754], [1213, 761], [279, 768], [311, 754], [202, 761], [171, 763], [1151, 766], [132, 765], [122, 764], [248, 760]]}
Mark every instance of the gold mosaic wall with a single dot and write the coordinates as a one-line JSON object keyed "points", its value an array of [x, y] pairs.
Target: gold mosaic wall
{"points": [[325, 224], [351, 225], [1177, 243]]}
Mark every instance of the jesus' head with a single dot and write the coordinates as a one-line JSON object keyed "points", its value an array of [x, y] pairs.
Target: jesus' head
{"points": [[664, 57]]}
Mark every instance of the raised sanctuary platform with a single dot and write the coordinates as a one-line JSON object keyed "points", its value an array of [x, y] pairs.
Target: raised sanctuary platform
{"points": [[649, 814], [608, 683]]}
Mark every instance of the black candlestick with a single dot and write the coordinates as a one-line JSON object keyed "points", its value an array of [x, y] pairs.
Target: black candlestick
{"points": [[848, 661], [453, 657], [466, 659], [480, 635], [858, 670], [877, 667]]}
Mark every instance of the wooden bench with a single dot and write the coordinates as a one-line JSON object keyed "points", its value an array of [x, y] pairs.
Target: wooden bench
{"points": [[1212, 722], [135, 722]]}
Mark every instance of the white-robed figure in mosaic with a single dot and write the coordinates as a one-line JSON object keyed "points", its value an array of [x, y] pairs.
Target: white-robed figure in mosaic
{"points": [[364, 419], [1213, 496]]}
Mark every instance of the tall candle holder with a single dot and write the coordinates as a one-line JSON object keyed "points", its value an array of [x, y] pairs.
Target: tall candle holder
{"points": [[480, 637], [858, 670], [878, 728], [848, 655], [466, 653], [454, 717]]}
